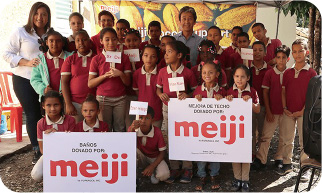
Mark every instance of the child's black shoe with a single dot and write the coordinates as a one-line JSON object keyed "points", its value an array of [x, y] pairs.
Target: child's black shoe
{"points": [[257, 165], [236, 185], [245, 186]]}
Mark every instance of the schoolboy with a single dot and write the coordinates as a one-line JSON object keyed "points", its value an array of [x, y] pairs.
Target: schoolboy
{"points": [[259, 32], [294, 87], [235, 58], [234, 33], [150, 148], [272, 88], [105, 19], [258, 68], [154, 31], [188, 18], [214, 35], [76, 23], [122, 26]]}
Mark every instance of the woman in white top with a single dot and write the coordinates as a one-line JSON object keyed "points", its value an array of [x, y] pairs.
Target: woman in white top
{"points": [[22, 53]]}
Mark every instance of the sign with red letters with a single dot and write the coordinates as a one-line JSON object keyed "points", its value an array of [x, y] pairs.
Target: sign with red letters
{"points": [[89, 162], [247, 54], [133, 54], [210, 130], [114, 57]]}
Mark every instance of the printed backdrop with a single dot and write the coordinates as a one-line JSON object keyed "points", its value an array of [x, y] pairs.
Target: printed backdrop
{"points": [[140, 14]]}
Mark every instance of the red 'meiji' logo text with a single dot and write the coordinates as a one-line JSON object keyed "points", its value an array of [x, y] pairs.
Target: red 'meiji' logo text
{"points": [[206, 127], [91, 165]]}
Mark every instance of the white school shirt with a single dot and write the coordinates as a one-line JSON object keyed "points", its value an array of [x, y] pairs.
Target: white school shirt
{"points": [[22, 45]]}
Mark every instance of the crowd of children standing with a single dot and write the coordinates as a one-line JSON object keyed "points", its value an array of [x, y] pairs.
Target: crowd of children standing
{"points": [[81, 92]]}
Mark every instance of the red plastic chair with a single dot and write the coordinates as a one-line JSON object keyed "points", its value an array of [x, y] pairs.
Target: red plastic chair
{"points": [[9, 102]]}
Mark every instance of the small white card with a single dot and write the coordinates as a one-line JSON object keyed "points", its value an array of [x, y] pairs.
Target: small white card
{"points": [[133, 54], [138, 108], [176, 84], [247, 54], [113, 57]]}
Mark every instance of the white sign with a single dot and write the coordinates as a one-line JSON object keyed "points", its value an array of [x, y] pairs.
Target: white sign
{"points": [[133, 54], [89, 162], [113, 57], [247, 54], [210, 130], [176, 84], [138, 108]]}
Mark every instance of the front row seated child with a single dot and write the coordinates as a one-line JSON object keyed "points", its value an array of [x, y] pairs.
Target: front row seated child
{"points": [[242, 89], [272, 87], [176, 51], [110, 80], [209, 89], [90, 111], [53, 121], [74, 76], [150, 148], [46, 76]]}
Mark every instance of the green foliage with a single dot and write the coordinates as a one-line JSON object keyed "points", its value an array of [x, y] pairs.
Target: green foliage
{"points": [[300, 9]]}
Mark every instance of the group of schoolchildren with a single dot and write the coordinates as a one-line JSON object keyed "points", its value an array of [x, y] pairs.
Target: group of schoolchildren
{"points": [[96, 94]]}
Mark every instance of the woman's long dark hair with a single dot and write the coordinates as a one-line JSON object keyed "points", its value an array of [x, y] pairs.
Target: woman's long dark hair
{"points": [[32, 13]]}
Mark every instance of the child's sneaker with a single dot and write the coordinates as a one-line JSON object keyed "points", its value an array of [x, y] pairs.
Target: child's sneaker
{"points": [[284, 169], [245, 186], [278, 163], [236, 185], [174, 174], [186, 176], [154, 180]]}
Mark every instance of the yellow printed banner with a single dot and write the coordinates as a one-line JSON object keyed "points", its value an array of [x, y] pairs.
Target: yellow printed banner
{"points": [[141, 13]]}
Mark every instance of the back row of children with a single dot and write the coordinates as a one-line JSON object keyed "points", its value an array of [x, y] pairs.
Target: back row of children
{"points": [[116, 84]]}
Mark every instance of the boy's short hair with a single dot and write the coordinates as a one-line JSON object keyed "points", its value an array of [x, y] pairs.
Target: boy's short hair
{"points": [[150, 112], [300, 42], [214, 27], [154, 24], [284, 49], [190, 10], [259, 43], [237, 27], [76, 14], [258, 24], [104, 12], [82, 31], [243, 34], [168, 36], [125, 22]]}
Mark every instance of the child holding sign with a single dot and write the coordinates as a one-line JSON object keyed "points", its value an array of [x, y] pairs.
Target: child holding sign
{"points": [[145, 81], [90, 111], [110, 73], [150, 148], [132, 43], [46, 76], [242, 42], [207, 51], [74, 75], [209, 89], [242, 89], [54, 121], [175, 53]]}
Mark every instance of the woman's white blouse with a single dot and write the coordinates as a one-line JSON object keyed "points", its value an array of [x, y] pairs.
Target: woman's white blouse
{"points": [[22, 45]]}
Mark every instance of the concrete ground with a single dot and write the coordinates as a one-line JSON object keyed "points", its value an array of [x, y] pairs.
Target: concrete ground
{"points": [[9, 145]]}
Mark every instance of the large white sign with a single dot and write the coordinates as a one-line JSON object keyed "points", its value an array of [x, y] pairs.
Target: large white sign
{"points": [[89, 162], [210, 130]]}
